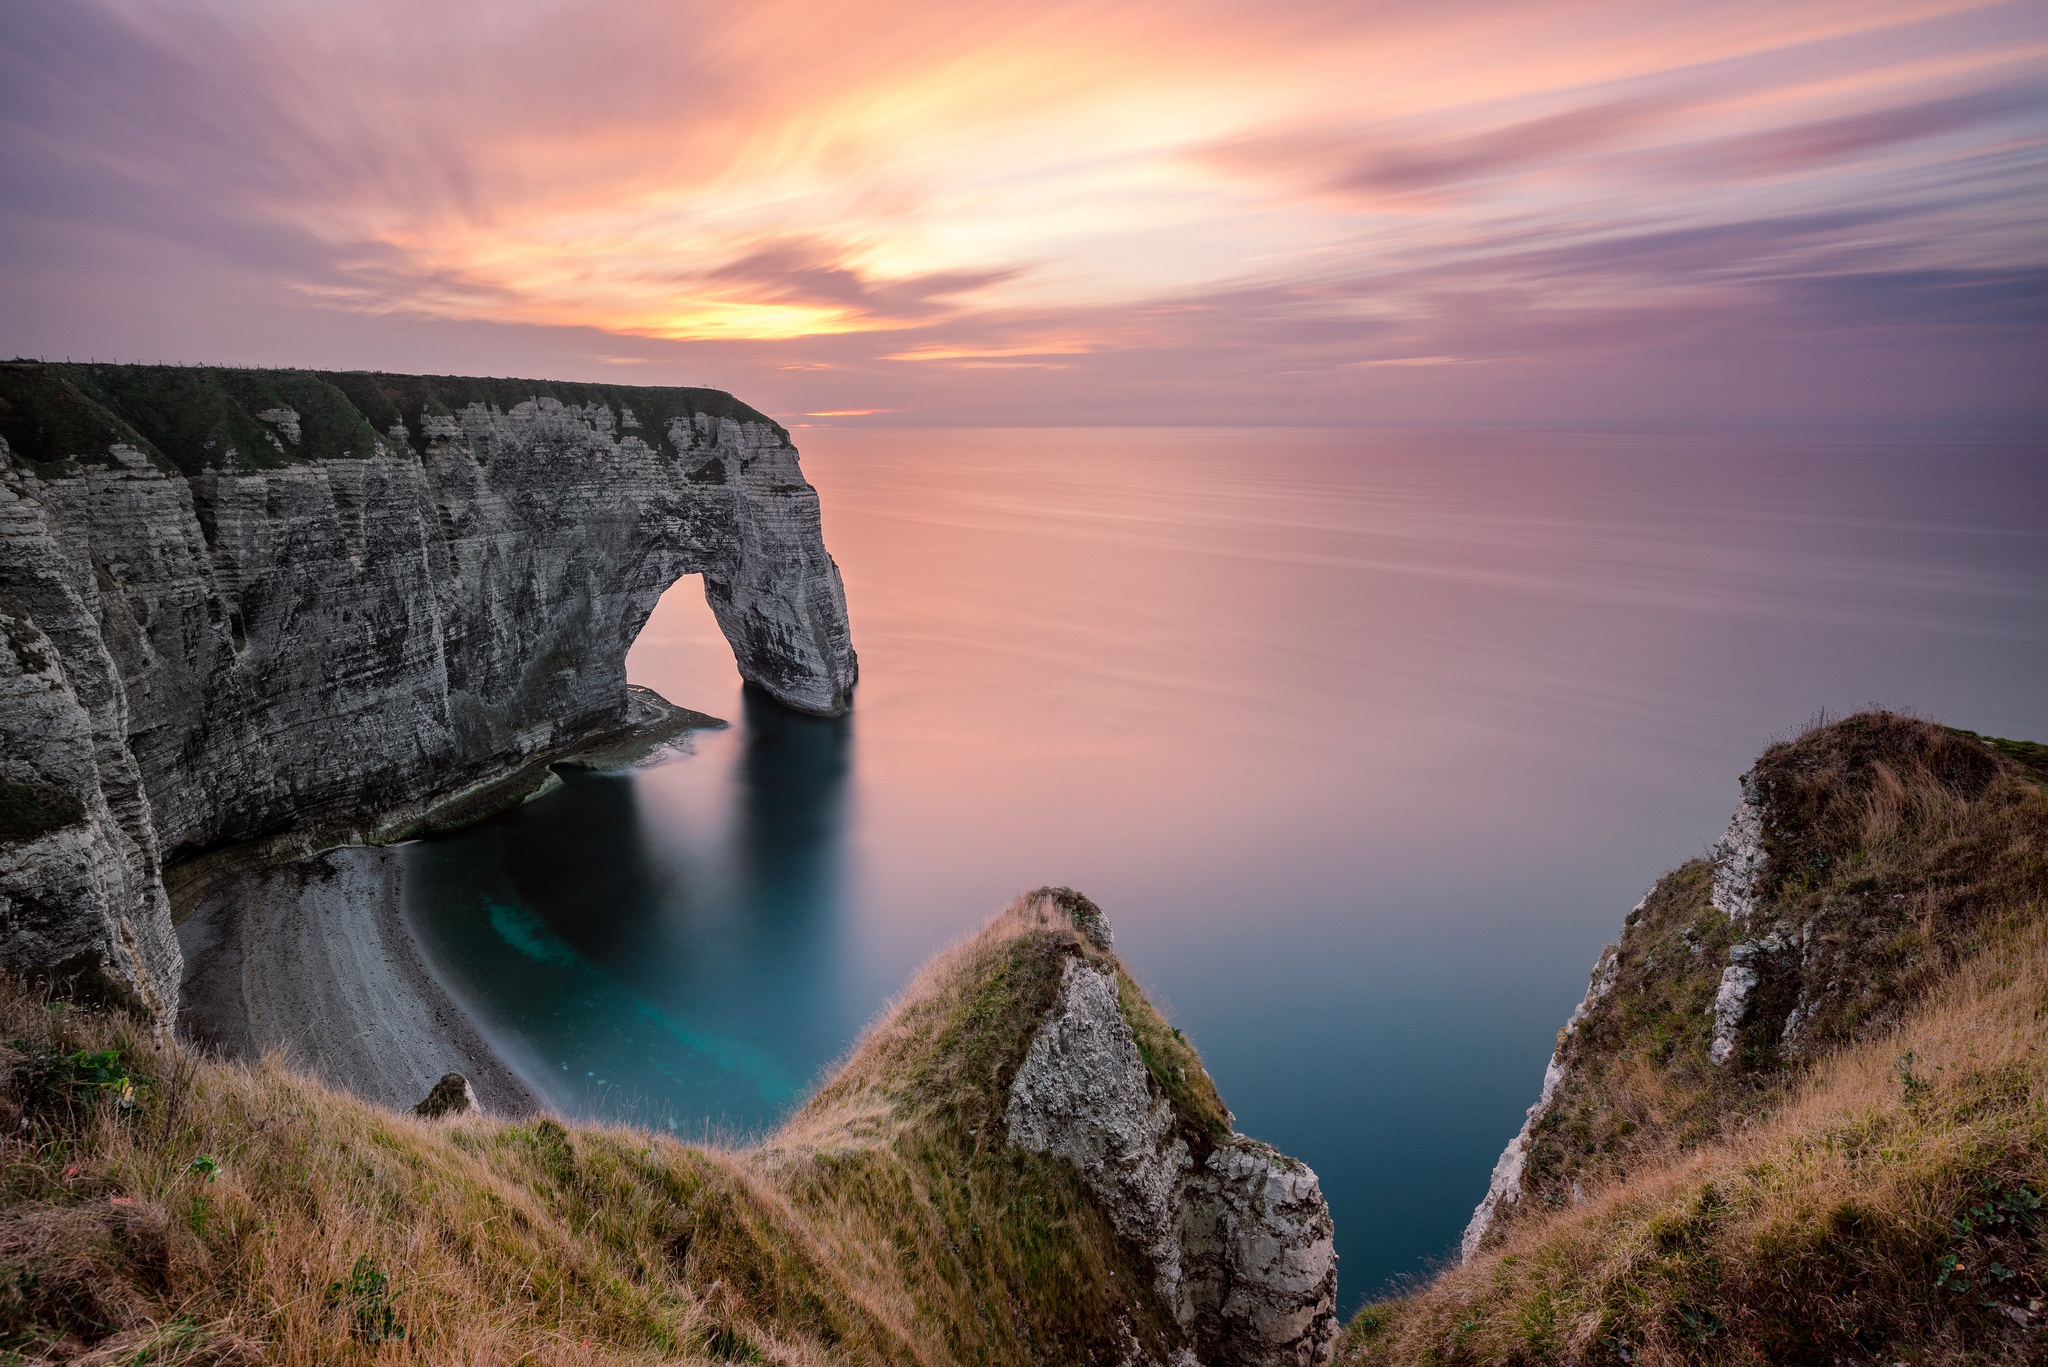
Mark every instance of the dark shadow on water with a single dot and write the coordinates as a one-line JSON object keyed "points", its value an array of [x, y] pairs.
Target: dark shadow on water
{"points": [[655, 972], [792, 809], [577, 858]]}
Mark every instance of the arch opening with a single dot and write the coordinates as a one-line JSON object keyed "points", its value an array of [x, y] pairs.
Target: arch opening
{"points": [[681, 653]]}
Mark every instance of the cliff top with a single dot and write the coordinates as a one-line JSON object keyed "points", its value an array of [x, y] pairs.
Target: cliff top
{"points": [[1800, 1120], [54, 416], [155, 1201]]}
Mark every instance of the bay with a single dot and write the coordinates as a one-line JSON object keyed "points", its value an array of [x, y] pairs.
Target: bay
{"points": [[1365, 740]]}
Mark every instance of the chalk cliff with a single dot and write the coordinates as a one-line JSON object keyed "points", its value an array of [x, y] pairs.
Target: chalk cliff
{"points": [[1240, 1242], [1798, 934], [240, 603]]}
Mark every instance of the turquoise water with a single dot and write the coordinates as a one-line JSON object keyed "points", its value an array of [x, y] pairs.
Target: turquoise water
{"points": [[1365, 740], [670, 967]]}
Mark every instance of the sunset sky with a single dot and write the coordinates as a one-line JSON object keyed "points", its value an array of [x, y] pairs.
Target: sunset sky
{"points": [[1206, 211]]}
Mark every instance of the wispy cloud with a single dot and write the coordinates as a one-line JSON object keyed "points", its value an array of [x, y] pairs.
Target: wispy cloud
{"points": [[1380, 167], [921, 207], [1801, 147]]}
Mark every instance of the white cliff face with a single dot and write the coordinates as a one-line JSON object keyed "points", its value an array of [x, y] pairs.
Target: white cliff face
{"points": [[256, 650], [1738, 859], [1731, 1004], [78, 888], [1083, 1095], [1259, 1255], [1506, 1186], [1242, 1248]]}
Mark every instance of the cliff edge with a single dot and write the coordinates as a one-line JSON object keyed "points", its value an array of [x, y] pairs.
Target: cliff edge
{"points": [[1020, 1163], [1801, 1114], [246, 604]]}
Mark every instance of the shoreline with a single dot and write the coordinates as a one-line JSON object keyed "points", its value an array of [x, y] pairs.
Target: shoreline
{"points": [[313, 960], [310, 955]]}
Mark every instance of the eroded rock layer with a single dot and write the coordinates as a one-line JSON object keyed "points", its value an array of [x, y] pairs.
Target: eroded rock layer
{"points": [[1240, 1240], [246, 602]]}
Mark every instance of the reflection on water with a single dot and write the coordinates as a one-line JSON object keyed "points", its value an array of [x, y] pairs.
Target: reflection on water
{"points": [[676, 972], [1366, 741]]}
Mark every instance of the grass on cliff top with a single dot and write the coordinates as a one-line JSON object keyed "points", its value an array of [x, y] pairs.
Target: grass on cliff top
{"points": [[1890, 1212], [192, 418], [943, 1055], [1896, 850], [1866, 1196], [159, 1207]]}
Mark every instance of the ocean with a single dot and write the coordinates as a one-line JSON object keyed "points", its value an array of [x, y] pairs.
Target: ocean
{"points": [[1365, 740]]}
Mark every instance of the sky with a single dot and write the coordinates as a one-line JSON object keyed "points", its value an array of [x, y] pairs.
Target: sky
{"points": [[1597, 212]]}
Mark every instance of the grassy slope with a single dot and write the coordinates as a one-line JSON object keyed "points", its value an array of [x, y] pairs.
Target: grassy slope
{"points": [[886, 1222], [1865, 1192]]}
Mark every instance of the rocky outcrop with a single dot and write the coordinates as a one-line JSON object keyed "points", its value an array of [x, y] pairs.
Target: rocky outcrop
{"points": [[1739, 856], [1735, 865], [1259, 1256], [275, 601], [1843, 887], [1084, 1095], [1240, 1242], [452, 1095]]}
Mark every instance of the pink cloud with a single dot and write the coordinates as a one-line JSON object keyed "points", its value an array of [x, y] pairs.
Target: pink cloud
{"points": [[914, 210]]}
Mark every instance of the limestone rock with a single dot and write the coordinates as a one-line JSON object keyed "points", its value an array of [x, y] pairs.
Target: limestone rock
{"points": [[1738, 856], [1242, 1246], [1083, 1095], [1260, 1257], [1731, 1004], [78, 898], [452, 1095], [304, 622], [1087, 917]]}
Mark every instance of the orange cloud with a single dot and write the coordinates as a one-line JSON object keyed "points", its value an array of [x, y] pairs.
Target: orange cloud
{"points": [[886, 190]]}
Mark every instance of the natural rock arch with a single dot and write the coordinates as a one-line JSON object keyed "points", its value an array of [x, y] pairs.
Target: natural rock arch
{"points": [[251, 602]]}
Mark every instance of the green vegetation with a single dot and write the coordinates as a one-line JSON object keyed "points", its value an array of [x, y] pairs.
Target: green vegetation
{"points": [[887, 1222], [1868, 1188], [57, 417], [1864, 1189], [365, 1295], [1176, 1068], [47, 419]]}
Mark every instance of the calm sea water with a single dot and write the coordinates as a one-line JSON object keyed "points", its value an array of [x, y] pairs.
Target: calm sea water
{"points": [[1365, 740]]}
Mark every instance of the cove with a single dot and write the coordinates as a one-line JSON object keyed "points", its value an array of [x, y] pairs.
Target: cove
{"points": [[1365, 740], [672, 972]]}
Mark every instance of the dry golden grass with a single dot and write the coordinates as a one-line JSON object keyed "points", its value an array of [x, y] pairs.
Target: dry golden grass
{"points": [[1873, 1193], [886, 1223], [1817, 1236], [1871, 1197]]}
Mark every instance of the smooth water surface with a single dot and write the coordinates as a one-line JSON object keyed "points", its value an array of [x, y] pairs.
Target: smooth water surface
{"points": [[1365, 740]]}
